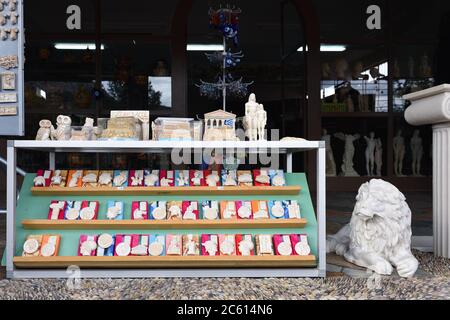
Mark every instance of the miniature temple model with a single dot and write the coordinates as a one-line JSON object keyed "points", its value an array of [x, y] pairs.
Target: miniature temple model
{"points": [[219, 125]]}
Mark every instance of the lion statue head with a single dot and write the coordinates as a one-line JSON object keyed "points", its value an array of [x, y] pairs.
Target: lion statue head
{"points": [[379, 233]]}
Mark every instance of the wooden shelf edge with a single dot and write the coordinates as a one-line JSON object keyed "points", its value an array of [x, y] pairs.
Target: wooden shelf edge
{"points": [[167, 262], [41, 224], [231, 190]]}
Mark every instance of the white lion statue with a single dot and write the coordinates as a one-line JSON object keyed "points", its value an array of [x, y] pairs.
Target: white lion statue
{"points": [[379, 233]]}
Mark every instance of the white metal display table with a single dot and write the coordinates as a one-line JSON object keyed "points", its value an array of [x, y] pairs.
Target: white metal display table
{"points": [[249, 147]]}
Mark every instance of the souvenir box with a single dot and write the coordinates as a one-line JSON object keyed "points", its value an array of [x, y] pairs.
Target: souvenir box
{"points": [[166, 178], [139, 245], [227, 244], [59, 178], [105, 178], [105, 245], [43, 178], [227, 210], [151, 178], [190, 210], [244, 209], [74, 178], [210, 210], [139, 210], [120, 178], [158, 210], [90, 178], [245, 245], [136, 178], [115, 210], [191, 245], [182, 178], [157, 245], [87, 246], [56, 210], [174, 245], [210, 245]]}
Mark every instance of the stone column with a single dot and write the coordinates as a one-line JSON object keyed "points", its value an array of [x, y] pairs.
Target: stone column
{"points": [[432, 106]]}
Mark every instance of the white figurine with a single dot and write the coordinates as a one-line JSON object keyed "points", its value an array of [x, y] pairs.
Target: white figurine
{"points": [[330, 163], [261, 121], [379, 233], [63, 130], [88, 128], [378, 156], [370, 153], [349, 152], [417, 152], [399, 153], [250, 119], [44, 132]]}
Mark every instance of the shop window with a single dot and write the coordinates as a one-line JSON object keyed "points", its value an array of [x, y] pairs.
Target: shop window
{"points": [[270, 62], [413, 70], [146, 17], [354, 79], [347, 21], [50, 17], [414, 22], [136, 75]]}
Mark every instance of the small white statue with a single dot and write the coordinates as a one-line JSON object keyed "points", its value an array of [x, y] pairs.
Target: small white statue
{"points": [[399, 153], [45, 130], [88, 129], [417, 152], [251, 118], [261, 120], [330, 163], [349, 152], [379, 233], [378, 156], [370, 153], [63, 130]]}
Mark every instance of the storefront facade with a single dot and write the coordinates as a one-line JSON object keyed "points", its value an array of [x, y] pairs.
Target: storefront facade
{"points": [[314, 65]]}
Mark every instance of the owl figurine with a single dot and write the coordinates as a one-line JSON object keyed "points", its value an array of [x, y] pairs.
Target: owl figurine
{"points": [[45, 129], [63, 128]]}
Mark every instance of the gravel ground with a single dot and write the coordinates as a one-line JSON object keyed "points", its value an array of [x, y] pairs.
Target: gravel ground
{"points": [[434, 283]]}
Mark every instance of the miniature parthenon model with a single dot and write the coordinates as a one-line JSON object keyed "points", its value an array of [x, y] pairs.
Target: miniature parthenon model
{"points": [[220, 125]]}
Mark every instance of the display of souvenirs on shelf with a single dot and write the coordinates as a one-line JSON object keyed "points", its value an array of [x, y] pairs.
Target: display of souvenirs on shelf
{"points": [[46, 245], [176, 210], [123, 245], [126, 125], [123, 125], [158, 178]]}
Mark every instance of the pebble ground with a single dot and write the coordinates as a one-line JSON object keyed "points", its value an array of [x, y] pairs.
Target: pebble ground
{"points": [[432, 282]]}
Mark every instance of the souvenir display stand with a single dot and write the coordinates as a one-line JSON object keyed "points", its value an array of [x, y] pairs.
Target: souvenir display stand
{"points": [[27, 215]]}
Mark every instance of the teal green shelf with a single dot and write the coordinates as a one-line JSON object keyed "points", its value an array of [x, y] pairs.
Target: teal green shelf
{"points": [[36, 207]]}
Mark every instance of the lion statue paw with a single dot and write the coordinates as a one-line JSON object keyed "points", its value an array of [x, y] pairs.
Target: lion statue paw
{"points": [[378, 236]]}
